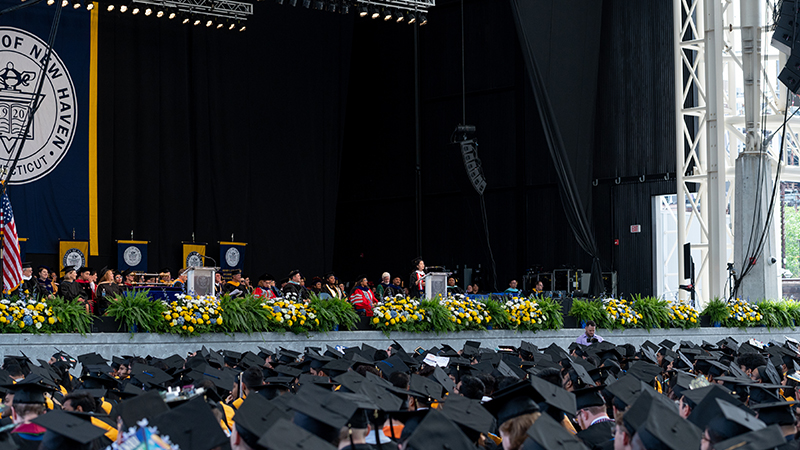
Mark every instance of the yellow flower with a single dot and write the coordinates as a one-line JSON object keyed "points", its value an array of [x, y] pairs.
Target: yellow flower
{"points": [[191, 329], [50, 320], [219, 320]]}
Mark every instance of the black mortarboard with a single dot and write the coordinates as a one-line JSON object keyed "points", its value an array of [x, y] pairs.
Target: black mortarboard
{"points": [[513, 401], [667, 343], [231, 357], [147, 405], [589, 396], [391, 365], [323, 406], [441, 377], [351, 380], [644, 371], [337, 366], [191, 425], [706, 406], [150, 375], [583, 374], [779, 413], [547, 434], [763, 439], [732, 421], [88, 359], [468, 413], [30, 390], [288, 370], [68, 269], [425, 388], [471, 348], [553, 395], [556, 352], [284, 435], [666, 427], [760, 393], [378, 394], [255, 416], [437, 431], [66, 431], [625, 390]]}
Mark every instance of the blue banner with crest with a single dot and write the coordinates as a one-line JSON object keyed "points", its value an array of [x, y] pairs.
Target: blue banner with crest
{"points": [[132, 255], [231, 255]]}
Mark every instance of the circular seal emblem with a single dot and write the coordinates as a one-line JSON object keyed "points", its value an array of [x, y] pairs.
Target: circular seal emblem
{"points": [[74, 257], [50, 134], [232, 257], [132, 256], [194, 259]]}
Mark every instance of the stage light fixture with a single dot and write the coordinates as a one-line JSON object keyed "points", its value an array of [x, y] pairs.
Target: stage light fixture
{"points": [[135, 10], [374, 13], [280, 2], [387, 15], [160, 14], [123, 8], [242, 28], [148, 11], [197, 22], [362, 10], [399, 16], [51, 2], [306, 3], [209, 23], [76, 5], [333, 7], [411, 18], [90, 6], [292, 2], [109, 8], [220, 25], [185, 20], [423, 19], [171, 15], [345, 9], [232, 26], [319, 5]]}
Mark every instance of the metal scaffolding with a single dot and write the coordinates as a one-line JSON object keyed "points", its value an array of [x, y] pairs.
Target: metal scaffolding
{"points": [[721, 64]]}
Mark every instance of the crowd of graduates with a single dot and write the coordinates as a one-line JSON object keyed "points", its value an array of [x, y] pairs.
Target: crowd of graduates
{"points": [[723, 396]]}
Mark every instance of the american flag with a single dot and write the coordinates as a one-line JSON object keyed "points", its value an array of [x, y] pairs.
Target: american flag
{"points": [[12, 266]]}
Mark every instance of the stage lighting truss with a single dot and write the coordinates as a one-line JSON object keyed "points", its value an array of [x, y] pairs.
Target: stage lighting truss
{"points": [[397, 11], [223, 9]]}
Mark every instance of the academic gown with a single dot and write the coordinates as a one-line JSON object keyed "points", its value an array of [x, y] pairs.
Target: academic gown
{"points": [[599, 436], [231, 286], [106, 292], [297, 289], [70, 290]]}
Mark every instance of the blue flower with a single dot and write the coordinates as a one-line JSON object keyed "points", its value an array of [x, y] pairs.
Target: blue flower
{"points": [[276, 309], [28, 320], [181, 321]]}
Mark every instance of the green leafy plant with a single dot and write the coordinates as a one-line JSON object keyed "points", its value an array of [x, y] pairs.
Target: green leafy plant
{"points": [[71, 316], [244, 315], [654, 312], [334, 312], [717, 310], [585, 310], [498, 316], [793, 309], [553, 317], [439, 318], [137, 310], [774, 314]]}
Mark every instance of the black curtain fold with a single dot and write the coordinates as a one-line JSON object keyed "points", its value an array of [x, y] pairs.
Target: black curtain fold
{"points": [[525, 16]]}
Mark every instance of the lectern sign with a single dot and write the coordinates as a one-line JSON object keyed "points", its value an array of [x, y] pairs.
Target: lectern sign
{"points": [[55, 110]]}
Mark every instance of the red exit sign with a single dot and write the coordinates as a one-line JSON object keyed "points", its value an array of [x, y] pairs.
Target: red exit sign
{"points": [[636, 228]]}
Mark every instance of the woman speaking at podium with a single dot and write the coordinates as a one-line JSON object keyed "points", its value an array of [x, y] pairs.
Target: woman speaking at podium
{"points": [[416, 286]]}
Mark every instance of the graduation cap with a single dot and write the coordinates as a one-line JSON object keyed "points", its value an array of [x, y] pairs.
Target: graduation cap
{"points": [[644, 371], [772, 373], [588, 397], [264, 353], [762, 439], [441, 377], [775, 413], [437, 431], [424, 388], [144, 406], [471, 348], [68, 269], [288, 371], [553, 395], [732, 421], [67, 431], [706, 406], [150, 375], [351, 380], [665, 428], [255, 416], [91, 358], [213, 357], [556, 352], [667, 344], [763, 393], [583, 375], [284, 435], [384, 400], [30, 390], [626, 390], [191, 425], [547, 434], [391, 365], [231, 357], [321, 412], [468, 413], [508, 371], [513, 401], [337, 366], [223, 380]]}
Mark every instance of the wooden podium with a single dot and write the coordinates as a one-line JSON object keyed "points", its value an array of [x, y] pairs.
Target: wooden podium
{"points": [[200, 281], [436, 284]]}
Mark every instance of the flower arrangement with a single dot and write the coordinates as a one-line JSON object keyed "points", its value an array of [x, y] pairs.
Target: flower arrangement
{"points": [[683, 315], [466, 313], [620, 314], [742, 313], [399, 313], [46, 315], [291, 314], [524, 314], [189, 315], [652, 312]]}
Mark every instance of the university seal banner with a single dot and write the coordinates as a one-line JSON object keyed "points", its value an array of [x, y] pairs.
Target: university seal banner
{"points": [[132, 255], [231, 255], [49, 187]]}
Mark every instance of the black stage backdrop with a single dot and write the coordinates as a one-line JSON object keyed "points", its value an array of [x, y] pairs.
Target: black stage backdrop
{"points": [[297, 136]]}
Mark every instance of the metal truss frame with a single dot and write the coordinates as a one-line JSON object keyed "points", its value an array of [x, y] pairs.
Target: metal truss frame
{"points": [[228, 9], [409, 5], [712, 128]]}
